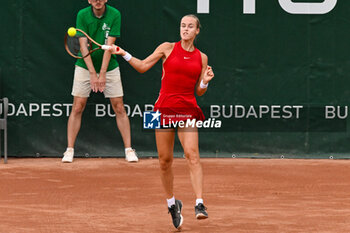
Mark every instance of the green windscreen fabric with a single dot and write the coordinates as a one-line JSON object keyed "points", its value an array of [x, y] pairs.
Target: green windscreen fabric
{"points": [[281, 85]]}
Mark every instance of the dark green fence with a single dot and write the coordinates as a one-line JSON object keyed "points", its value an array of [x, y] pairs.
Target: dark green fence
{"points": [[278, 77]]}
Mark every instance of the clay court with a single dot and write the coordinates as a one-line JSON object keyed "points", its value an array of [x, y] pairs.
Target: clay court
{"points": [[110, 195]]}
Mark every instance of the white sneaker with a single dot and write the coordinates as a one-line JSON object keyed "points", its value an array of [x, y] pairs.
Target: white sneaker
{"points": [[131, 156], [68, 156]]}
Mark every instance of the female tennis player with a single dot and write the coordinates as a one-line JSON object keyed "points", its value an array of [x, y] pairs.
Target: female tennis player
{"points": [[185, 71]]}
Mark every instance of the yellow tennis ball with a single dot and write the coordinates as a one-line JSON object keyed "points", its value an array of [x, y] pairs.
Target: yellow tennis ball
{"points": [[72, 31]]}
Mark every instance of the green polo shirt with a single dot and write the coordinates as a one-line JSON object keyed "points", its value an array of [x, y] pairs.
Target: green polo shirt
{"points": [[99, 29]]}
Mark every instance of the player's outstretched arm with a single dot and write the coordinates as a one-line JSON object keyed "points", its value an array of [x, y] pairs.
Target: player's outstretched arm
{"points": [[146, 64]]}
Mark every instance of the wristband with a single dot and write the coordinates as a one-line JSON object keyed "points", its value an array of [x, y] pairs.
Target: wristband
{"points": [[202, 85], [127, 56]]}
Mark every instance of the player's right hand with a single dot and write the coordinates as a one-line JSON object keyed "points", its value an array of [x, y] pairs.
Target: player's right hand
{"points": [[117, 50]]}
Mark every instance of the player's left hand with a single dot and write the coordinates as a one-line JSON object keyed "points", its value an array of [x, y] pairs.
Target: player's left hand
{"points": [[208, 75], [102, 82]]}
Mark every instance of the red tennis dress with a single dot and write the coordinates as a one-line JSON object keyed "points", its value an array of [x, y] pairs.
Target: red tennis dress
{"points": [[181, 71]]}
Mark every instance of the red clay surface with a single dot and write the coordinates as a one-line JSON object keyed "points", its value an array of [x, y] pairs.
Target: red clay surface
{"points": [[110, 195]]}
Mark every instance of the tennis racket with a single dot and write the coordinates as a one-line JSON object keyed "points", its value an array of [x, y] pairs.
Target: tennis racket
{"points": [[80, 50]]}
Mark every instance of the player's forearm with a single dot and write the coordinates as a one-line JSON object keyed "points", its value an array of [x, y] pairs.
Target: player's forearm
{"points": [[201, 91], [107, 55], [201, 87], [85, 50], [105, 61], [90, 65], [139, 65]]}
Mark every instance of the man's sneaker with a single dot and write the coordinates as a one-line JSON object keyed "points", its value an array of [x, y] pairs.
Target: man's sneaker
{"points": [[130, 156], [68, 156], [175, 211], [201, 212]]}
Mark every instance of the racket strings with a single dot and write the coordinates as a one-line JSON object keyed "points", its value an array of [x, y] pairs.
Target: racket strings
{"points": [[75, 47]]}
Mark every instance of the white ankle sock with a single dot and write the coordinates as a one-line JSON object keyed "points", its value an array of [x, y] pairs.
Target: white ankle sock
{"points": [[126, 149], [70, 149], [171, 201], [199, 200]]}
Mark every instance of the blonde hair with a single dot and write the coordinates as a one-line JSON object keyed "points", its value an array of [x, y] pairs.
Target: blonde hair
{"points": [[196, 18]]}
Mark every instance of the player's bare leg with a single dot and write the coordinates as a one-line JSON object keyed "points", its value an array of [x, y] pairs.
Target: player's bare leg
{"points": [[123, 124], [74, 121], [165, 146], [73, 127], [189, 141]]}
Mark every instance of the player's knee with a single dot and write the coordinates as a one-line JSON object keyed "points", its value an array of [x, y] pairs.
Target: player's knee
{"points": [[119, 109], [78, 108], [165, 164], [192, 156], [194, 162]]}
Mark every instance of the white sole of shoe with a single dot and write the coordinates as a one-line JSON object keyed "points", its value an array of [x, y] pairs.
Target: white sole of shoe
{"points": [[182, 218], [132, 161], [201, 216], [65, 161], [181, 221]]}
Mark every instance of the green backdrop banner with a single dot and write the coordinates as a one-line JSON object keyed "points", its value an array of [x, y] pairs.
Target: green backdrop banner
{"points": [[281, 83]]}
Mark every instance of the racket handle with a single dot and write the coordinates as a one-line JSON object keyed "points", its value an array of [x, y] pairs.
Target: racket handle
{"points": [[105, 47]]}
